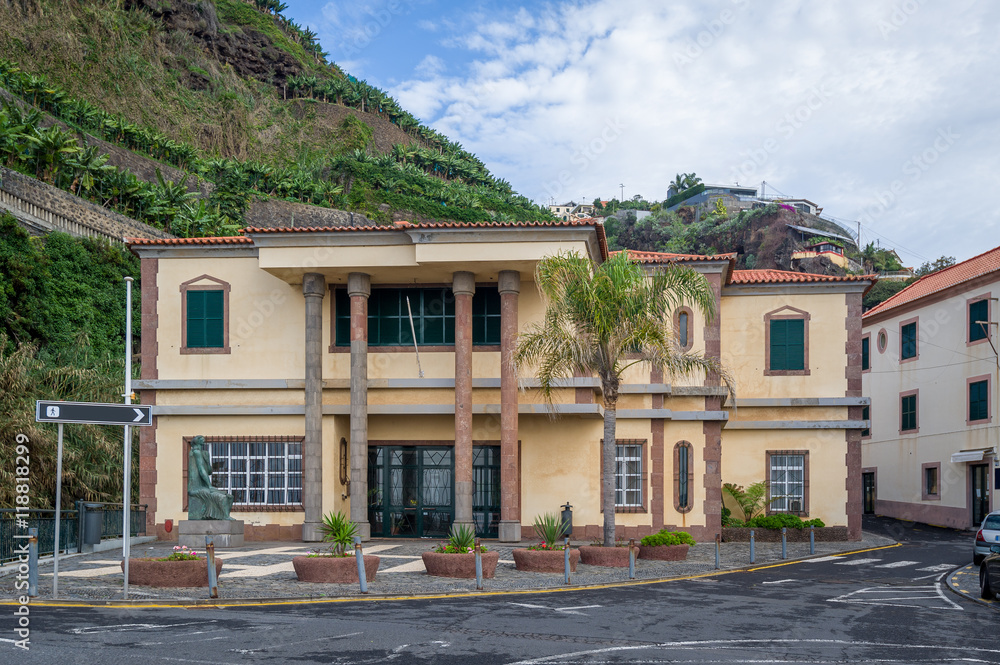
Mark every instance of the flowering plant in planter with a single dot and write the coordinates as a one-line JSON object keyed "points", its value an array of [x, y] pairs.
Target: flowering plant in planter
{"points": [[334, 565], [461, 540], [550, 528], [456, 557], [181, 553]]}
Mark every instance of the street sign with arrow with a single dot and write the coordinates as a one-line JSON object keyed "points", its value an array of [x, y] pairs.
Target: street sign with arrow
{"points": [[93, 413]]}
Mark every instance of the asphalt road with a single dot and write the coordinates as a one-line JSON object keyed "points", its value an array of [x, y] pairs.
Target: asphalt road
{"points": [[883, 606]]}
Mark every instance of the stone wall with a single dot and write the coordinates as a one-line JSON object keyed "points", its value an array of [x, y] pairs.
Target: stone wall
{"points": [[281, 214], [42, 208]]}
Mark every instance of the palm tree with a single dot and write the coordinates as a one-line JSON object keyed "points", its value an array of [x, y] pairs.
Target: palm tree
{"points": [[602, 319]]}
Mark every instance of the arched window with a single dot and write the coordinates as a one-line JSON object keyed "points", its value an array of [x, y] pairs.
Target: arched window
{"points": [[683, 477], [683, 320], [682, 327]]}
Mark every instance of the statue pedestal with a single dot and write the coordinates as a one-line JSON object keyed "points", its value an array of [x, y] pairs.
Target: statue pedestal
{"points": [[225, 533]]}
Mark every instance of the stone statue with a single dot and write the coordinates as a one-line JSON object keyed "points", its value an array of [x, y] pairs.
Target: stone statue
{"points": [[205, 502]]}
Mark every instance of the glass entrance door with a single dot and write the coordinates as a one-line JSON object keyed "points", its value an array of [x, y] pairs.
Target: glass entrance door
{"points": [[411, 491], [868, 489], [980, 492]]}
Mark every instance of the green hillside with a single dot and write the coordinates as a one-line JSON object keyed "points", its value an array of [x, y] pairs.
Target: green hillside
{"points": [[232, 93]]}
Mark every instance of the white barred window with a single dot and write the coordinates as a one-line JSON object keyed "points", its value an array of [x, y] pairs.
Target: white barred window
{"points": [[258, 471], [787, 483], [628, 475]]}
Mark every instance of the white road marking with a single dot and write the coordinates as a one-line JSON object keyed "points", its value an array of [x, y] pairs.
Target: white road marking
{"points": [[857, 562], [936, 569], [237, 570], [563, 610], [932, 596], [898, 564], [408, 567], [91, 630], [777, 581], [90, 572], [823, 558]]}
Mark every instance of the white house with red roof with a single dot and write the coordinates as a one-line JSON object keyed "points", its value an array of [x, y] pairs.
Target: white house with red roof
{"points": [[930, 367], [367, 369]]}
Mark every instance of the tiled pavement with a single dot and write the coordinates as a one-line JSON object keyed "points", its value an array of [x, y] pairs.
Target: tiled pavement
{"points": [[264, 571]]}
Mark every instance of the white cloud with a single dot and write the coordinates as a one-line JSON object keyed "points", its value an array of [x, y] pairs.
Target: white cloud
{"points": [[843, 103], [431, 65]]}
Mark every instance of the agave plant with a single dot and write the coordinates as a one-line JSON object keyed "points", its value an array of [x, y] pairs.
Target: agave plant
{"points": [[550, 528], [339, 531]]}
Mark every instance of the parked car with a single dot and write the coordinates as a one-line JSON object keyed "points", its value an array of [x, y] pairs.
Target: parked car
{"points": [[989, 574], [988, 534]]}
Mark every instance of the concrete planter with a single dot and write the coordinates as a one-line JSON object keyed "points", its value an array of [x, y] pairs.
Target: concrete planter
{"points": [[156, 573], [460, 565], [545, 561], [664, 552], [613, 557], [823, 534], [333, 569]]}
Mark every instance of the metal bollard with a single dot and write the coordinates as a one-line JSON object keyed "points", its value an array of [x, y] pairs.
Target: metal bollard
{"points": [[784, 542], [479, 566], [360, 557], [33, 562], [566, 560], [753, 553], [631, 558], [812, 540], [718, 545], [213, 582]]}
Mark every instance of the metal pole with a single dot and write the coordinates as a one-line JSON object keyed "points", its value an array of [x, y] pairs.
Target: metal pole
{"points": [[33, 562], [631, 558], [55, 550], [479, 566], [127, 481], [213, 582], [566, 560], [784, 542], [753, 554], [812, 540], [360, 557], [718, 544]]}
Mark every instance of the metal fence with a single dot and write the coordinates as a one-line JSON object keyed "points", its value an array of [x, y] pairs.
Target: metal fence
{"points": [[14, 530], [14, 527]]}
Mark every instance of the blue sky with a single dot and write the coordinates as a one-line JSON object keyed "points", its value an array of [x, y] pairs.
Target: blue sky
{"points": [[884, 112]]}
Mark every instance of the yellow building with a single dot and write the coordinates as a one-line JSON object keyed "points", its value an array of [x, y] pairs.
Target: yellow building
{"points": [[292, 351]]}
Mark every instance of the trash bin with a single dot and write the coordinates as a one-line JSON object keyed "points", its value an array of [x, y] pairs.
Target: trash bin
{"points": [[93, 523], [567, 518]]}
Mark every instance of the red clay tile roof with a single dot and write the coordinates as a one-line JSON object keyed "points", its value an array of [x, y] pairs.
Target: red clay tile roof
{"points": [[224, 240], [977, 266], [236, 240], [788, 277], [661, 257]]}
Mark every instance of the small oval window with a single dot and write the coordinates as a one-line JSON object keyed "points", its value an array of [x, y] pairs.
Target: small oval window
{"points": [[883, 341], [682, 325]]}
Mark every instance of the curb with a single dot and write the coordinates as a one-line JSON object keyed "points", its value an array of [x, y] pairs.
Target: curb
{"points": [[318, 600], [959, 576]]}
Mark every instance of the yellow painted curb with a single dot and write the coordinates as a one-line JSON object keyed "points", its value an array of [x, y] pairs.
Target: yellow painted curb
{"points": [[235, 602]]}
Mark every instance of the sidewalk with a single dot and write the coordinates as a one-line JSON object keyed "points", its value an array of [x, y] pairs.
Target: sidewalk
{"points": [[263, 572], [965, 582]]}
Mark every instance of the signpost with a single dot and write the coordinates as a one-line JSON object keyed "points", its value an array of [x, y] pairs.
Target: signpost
{"points": [[89, 413]]}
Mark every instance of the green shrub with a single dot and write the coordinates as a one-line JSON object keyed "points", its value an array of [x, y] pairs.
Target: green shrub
{"points": [[339, 531], [668, 538], [461, 540], [550, 528], [783, 520]]}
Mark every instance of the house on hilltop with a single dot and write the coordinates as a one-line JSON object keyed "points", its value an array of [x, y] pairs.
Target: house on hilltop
{"points": [[930, 367], [367, 369]]}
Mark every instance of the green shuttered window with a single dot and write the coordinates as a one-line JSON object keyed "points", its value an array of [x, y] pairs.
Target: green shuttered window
{"points": [[908, 341], [433, 317], [787, 344], [908, 413], [979, 401], [205, 319], [978, 311]]}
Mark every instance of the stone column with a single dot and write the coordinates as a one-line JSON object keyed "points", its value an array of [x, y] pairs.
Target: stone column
{"points": [[313, 290], [510, 496], [359, 288], [463, 286]]}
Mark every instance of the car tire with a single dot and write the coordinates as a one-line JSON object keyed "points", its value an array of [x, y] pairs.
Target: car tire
{"points": [[977, 559], [985, 591]]}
